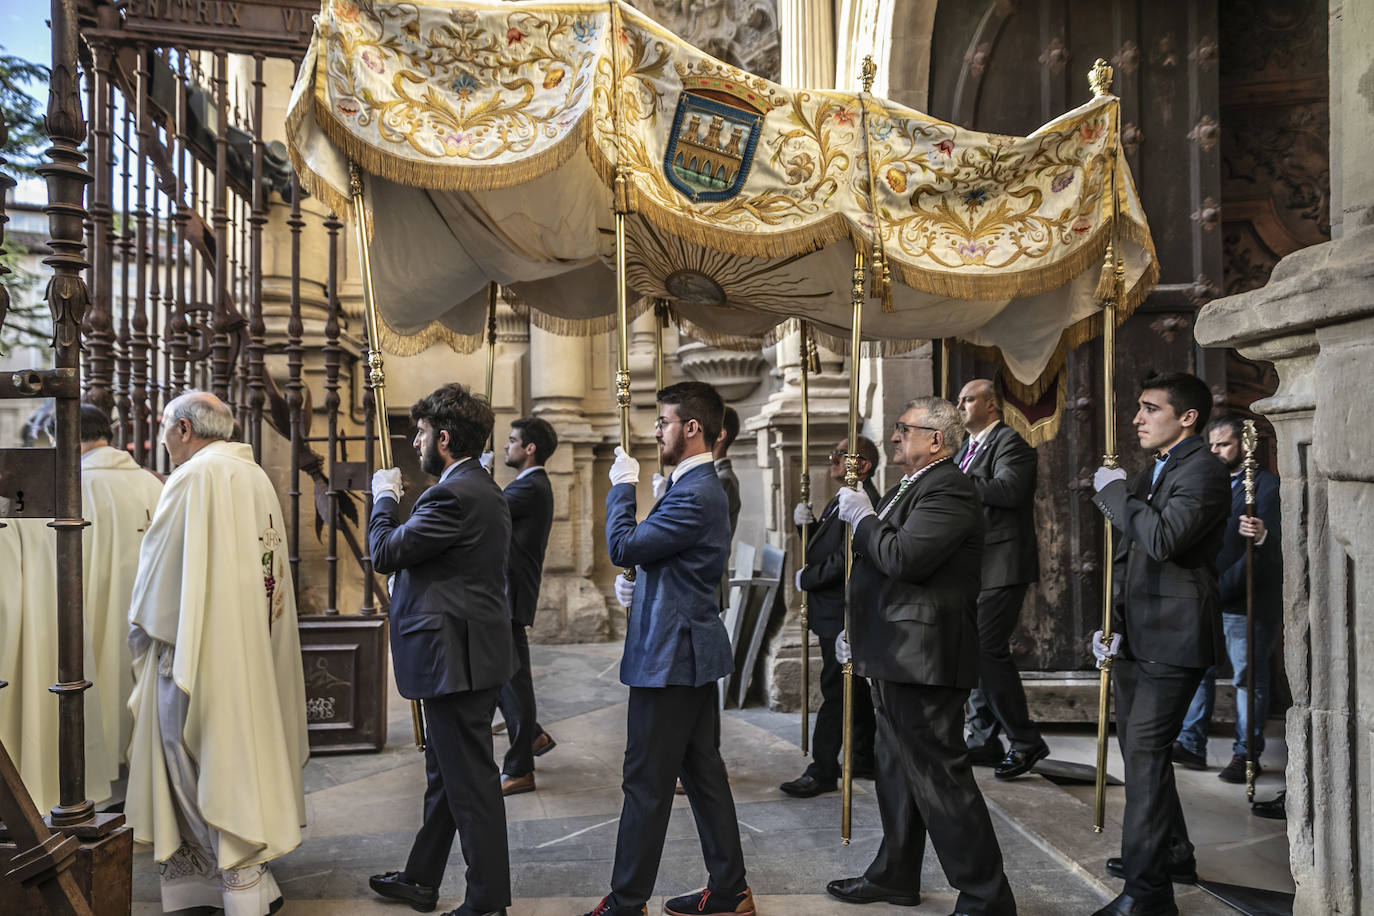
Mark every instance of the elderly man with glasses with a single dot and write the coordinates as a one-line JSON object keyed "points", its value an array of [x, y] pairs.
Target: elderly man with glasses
{"points": [[914, 587], [823, 579]]}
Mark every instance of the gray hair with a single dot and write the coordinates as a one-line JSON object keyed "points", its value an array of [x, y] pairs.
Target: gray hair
{"points": [[207, 415], [941, 415]]}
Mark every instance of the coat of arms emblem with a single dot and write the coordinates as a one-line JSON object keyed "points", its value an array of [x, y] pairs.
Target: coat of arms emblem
{"points": [[715, 131]]}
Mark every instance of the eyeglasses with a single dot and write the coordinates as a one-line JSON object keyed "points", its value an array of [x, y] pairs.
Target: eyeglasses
{"points": [[837, 455], [902, 429], [660, 422]]}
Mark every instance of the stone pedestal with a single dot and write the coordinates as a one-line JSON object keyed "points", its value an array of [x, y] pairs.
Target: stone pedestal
{"points": [[1315, 322]]}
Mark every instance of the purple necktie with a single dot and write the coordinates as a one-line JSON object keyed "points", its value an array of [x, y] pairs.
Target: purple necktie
{"points": [[968, 459]]}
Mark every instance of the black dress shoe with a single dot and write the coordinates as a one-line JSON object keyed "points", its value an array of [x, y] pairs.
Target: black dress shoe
{"points": [[465, 910], [862, 890], [805, 786], [1126, 905], [1186, 758], [1018, 763], [986, 755], [1273, 809], [394, 885], [1181, 872]]}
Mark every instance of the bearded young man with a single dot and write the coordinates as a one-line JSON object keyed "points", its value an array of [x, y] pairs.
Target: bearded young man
{"points": [[451, 646], [676, 648]]}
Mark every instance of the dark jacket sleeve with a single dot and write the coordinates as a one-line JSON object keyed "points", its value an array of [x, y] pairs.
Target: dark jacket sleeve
{"points": [[432, 526], [1231, 582], [1012, 483], [520, 499], [829, 571], [926, 540], [672, 527], [1165, 534]]}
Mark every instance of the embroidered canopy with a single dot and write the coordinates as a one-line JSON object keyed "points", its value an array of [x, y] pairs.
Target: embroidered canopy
{"points": [[492, 134]]}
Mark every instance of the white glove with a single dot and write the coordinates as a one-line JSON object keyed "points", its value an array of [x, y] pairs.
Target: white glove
{"points": [[854, 506], [624, 591], [799, 585], [1105, 475], [842, 653], [802, 515], [1103, 651], [486, 460], [624, 469], [387, 482], [390, 583], [660, 485]]}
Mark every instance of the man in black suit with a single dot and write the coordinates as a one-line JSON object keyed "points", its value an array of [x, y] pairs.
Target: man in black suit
{"points": [[1002, 466], [530, 497], [1223, 436], [823, 579], [725, 468], [1171, 519], [451, 646], [914, 594]]}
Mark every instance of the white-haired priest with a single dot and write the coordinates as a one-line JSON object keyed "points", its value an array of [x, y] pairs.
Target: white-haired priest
{"points": [[219, 734]]}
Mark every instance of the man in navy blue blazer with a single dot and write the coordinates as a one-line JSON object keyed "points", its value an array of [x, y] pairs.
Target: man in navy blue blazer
{"points": [[451, 646], [675, 650]]}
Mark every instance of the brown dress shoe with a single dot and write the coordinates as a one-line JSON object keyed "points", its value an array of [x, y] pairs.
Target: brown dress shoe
{"points": [[542, 744], [515, 785]]}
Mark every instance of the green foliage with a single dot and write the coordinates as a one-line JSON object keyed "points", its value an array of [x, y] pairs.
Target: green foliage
{"points": [[22, 113], [27, 323]]}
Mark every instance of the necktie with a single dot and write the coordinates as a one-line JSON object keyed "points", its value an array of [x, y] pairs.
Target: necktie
{"points": [[901, 488], [968, 459]]}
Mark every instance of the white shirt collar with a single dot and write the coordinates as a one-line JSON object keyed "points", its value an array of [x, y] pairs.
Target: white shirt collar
{"points": [[983, 434], [537, 467], [448, 471], [695, 461]]}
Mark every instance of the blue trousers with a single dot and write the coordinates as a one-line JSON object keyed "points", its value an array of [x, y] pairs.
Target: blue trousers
{"points": [[1193, 735]]}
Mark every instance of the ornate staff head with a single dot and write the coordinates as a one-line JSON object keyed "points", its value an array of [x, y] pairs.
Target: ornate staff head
{"points": [[1249, 439]]}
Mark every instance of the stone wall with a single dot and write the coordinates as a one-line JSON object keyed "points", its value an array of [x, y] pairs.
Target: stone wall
{"points": [[1315, 321]]}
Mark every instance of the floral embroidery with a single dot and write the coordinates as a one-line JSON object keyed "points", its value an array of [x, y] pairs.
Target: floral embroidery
{"points": [[1061, 181], [514, 36], [844, 116], [1091, 131], [584, 30], [348, 106], [1081, 225], [976, 198], [896, 180], [943, 148], [554, 76], [881, 130], [346, 11], [373, 61], [464, 17], [465, 84], [974, 252]]}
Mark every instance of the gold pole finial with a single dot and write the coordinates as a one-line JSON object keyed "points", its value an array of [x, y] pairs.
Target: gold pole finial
{"points": [[1100, 78], [869, 73]]}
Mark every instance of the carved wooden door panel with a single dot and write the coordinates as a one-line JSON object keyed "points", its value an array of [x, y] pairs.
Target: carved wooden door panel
{"points": [[1009, 67]]}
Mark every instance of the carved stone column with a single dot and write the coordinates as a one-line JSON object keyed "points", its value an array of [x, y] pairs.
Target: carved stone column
{"points": [[571, 607], [1315, 321]]}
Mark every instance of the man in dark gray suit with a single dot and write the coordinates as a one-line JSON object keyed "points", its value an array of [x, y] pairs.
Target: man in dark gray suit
{"points": [[451, 646], [1002, 467], [913, 591], [1171, 517], [531, 442]]}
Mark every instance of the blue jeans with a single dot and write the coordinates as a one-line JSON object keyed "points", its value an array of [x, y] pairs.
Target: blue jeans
{"points": [[1193, 736]]}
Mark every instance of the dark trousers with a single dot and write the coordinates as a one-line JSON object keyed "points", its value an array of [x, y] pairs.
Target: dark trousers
{"points": [[925, 785], [671, 731], [828, 742], [463, 794], [1151, 701], [999, 703], [518, 709]]}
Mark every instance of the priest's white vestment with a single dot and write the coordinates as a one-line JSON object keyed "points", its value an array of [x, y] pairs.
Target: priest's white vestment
{"points": [[28, 649], [117, 498], [217, 659]]}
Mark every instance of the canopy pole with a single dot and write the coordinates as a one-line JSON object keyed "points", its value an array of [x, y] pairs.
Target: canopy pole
{"points": [[1249, 440], [944, 368], [622, 326], [376, 378], [1100, 78], [851, 480], [491, 365], [807, 354], [660, 322]]}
